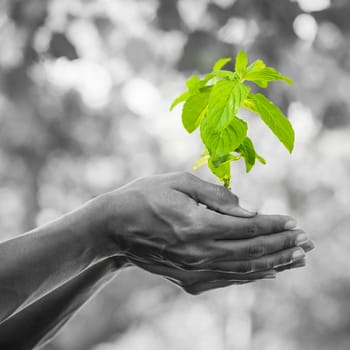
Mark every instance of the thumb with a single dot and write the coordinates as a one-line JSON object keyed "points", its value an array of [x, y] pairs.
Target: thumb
{"points": [[242, 212], [215, 197]]}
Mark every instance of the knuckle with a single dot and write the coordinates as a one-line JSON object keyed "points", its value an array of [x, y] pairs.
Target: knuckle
{"points": [[264, 264], [289, 241], [287, 258], [181, 177], [188, 176], [193, 227], [252, 229], [256, 251], [221, 192], [279, 223], [281, 260], [269, 264], [260, 241], [245, 267], [234, 198]]}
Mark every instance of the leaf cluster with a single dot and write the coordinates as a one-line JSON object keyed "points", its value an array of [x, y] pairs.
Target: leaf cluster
{"points": [[212, 104]]}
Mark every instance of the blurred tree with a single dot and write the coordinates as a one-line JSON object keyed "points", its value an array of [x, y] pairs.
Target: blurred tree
{"points": [[84, 92], [201, 50], [168, 17], [336, 115], [60, 46]]}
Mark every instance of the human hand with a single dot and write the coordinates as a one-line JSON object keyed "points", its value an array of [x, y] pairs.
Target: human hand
{"points": [[180, 226], [197, 282]]}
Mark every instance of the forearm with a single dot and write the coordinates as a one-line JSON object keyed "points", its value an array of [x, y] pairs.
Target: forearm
{"points": [[41, 260], [40, 321]]}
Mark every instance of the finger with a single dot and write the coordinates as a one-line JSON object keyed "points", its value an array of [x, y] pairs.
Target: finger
{"points": [[217, 198], [189, 277], [220, 226], [267, 262], [307, 246], [258, 246], [206, 286], [297, 264], [205, 251]]}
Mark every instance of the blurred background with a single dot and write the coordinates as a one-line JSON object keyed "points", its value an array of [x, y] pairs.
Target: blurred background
{"points": [[85, 89]]}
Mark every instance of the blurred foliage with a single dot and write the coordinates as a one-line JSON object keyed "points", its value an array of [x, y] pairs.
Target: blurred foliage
{"points": [[85, 88]]}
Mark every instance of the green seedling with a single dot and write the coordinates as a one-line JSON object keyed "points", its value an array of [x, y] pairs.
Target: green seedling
{"points": [[212, 104]]}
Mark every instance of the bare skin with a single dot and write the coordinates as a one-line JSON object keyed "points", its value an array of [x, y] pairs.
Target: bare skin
{"points": [[39, 322], [217, 236], [42, 320], [175, 225]]}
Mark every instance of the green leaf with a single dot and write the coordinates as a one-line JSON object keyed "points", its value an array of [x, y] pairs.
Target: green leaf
{"points": [[218, 74], [256, 66], [262, 84], [194, 110], [221, 131], [207, 78], [273, 117], [221, 63], [213, 102], [202, 160], [223, 74], [225, 100], [241, 63], [224, 159], [247, 151], [183, 97], [266, 75], [193, 84], [248, 103], [226, 139], [240, 93], [262, 75], [223, 172]]}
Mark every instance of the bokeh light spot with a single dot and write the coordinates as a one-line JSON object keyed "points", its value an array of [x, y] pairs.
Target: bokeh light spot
{"points": [[313, 5], [305, 27], [141, 96]]}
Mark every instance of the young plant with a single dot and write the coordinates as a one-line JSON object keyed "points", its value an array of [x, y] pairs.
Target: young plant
{"points": [[213, 104]]}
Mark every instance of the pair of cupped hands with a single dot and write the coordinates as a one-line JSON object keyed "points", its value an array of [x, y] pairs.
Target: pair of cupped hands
{"points": [[196, 235]]}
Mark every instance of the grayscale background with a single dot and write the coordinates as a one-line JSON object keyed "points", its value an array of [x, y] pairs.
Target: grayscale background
{"points": [[85, 89]]}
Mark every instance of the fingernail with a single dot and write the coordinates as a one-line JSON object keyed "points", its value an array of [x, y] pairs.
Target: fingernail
{"points": [[298, 254], [250, 212], [311, 245], [291, 223], [299, 264], [307, 246], [271, 274], [239, 211], [300, 239]]}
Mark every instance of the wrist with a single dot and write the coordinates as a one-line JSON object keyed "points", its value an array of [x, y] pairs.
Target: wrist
{"points": [[117, 215], [93, 222], [117, 263], [110, 266]]}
